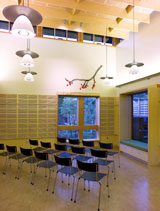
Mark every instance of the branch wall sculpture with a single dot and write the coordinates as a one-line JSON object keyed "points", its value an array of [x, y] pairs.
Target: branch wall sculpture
{"points": [[85, 85]]}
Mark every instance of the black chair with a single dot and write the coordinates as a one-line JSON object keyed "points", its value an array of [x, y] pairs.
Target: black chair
{"points": [[81, 153], [74, 141], [88, 144], [102, 160], [67, 169], [12, 154], [29, 159], [61, 140], [11, 151], [90, 173], [45, 163], [62, 148], [110, 147], [3, 153], [47, 145], [2, 148], [35, 143]]}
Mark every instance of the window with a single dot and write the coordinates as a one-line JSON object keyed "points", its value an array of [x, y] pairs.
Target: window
{"points": [[140, 117], [78, 117], [4, 26], [67, 111], [99, 39], [48, 32], [108, 40], [60, 34], [72, 35], [88, 38]]}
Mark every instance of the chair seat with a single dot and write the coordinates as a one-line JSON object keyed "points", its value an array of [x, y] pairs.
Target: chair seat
{"points": [[38, 149], [70, 170], [65, 155], [4, 154], [103, 162], [93, 176], [112, 153], [46, 164], [18, 156], [82, 157], [51, 151], [30, 160]]}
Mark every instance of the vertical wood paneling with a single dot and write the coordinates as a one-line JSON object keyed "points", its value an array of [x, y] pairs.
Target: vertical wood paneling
{"points": [[27, 116]]}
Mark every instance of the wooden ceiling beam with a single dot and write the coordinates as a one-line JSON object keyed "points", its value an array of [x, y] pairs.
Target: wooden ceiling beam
{"points": [[97, 8], [129, 8], [118, 20], [84, 18], [154, 5], [87, 28]]}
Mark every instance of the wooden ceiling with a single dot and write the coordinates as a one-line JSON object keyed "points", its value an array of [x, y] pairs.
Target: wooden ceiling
{"points": [[91, 16]]}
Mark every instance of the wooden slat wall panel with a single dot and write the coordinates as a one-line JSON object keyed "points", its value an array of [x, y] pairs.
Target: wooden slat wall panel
{"points": [[106, 116], [27, 116]]}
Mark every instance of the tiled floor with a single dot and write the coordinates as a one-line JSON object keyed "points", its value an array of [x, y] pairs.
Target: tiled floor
{"points": [[137, 188]]}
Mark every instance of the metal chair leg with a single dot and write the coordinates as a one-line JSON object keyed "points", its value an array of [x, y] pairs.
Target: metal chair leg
{"points": [[88, 186], [114, 170], [73, 187], [48, 179], [119, 159], [76, 190], [55, 182], [5, 166], [99, 198]]}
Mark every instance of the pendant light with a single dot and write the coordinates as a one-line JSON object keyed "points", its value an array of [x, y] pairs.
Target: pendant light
{"points": [[134, 66], [24, 18], [29, 75], [106, 77], [27, 56]]}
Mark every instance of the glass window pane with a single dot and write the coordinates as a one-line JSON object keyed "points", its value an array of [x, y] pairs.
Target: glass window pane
{"points": [[90, 134], [90, 110], [67, 111], [68, 134]]}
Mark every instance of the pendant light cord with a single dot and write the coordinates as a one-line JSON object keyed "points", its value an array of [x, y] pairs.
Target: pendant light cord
{"points": [[28, 44], [106, 51], [133, 35]]}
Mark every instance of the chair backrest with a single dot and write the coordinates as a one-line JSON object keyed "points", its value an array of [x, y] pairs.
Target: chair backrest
{"points": [[61, 140], [41, 155], [1, 146], [60, 147], [106, 145], [33, 142], [63, 161], [99, 153], [78, 150], [88, 143], [46, 144], [74, 141], [27, 152], [91, 167], [11, 149]]}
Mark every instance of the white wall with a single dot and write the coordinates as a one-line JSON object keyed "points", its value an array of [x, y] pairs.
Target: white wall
{"points": [[58, 60], [147, 42]]}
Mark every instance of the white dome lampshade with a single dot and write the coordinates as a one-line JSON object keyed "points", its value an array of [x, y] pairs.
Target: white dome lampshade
{"points": [[134, 70], [27, 61], [23, 28], [29, 77]]}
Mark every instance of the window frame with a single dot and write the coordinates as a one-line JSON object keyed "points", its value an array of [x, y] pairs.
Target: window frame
{"points": [[80, 127]]}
